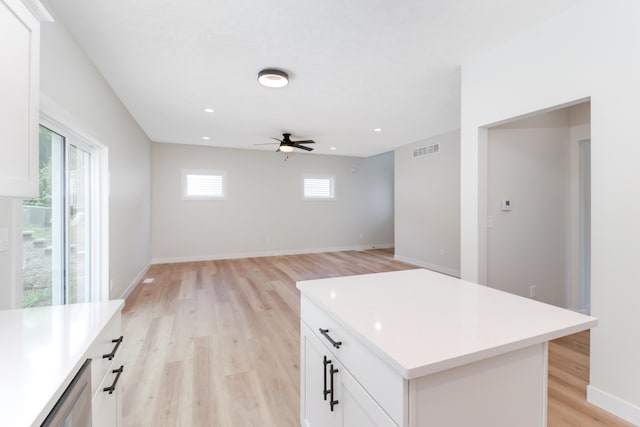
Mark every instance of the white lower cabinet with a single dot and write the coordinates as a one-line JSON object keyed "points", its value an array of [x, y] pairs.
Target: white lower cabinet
{"points": [[315, 407], [106, 371], [330, 395], [107, 408]]}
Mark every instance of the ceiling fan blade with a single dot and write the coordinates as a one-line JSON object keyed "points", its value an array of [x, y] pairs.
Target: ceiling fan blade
{"points": [[279, 140], [302, 147], [307, 141], [267, 143]]}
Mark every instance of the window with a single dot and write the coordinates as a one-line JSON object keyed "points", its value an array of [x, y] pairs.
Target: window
{"points": [[204, 185], [61, 227], [318, 187]]}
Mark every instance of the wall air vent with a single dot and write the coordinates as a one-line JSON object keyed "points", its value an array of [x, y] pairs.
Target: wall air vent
{"points": [[423, 151]]}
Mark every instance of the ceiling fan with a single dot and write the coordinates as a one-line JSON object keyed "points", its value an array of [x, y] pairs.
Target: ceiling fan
{"points": [[287, 145]]}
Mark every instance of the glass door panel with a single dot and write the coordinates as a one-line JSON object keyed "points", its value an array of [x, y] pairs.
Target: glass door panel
{"points": [[43, 242], [79, 204], [57, 226]]}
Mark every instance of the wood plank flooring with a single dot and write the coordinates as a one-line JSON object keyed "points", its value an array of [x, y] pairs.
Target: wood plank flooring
{"points": [[568, 380], [216, 343]]}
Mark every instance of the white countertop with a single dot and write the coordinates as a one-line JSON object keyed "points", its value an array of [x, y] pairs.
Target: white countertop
{"points": [[42, 349], [421, 322]]}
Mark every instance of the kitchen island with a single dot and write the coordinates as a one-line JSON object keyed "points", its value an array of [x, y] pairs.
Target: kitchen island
{"points": [[42, 350], [417, 348]]}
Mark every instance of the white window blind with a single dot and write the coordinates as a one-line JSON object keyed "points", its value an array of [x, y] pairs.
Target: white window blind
{"points": [[319, 188], [203, 185]]}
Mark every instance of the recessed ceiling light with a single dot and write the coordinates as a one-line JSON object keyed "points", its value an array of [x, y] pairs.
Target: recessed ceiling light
{"points": [[206, 138], [209, 110], [332, 148], [271, 77], [377, 130]]}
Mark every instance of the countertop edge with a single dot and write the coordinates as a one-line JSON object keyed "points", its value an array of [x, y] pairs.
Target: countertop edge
{"points": [[420, 371]]}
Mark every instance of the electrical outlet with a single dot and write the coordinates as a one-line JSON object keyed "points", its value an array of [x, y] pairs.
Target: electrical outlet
{"points": [[532, 291]]}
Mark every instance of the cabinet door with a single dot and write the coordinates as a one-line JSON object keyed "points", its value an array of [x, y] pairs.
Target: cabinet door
{"points": [[19, 90], [358, 409], [322, 372], [107, 407], [315, 377]]}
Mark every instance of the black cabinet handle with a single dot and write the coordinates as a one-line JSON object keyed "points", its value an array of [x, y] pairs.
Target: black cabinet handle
{"points": [[113, 386], [325, 392], [332, 402], [117, 341], [325, 332]]}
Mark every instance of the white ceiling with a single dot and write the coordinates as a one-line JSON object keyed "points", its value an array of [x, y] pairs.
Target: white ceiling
{"points": [[354, 65]]}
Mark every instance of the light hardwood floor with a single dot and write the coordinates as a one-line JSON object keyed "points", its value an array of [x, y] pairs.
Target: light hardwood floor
{"points": [[216, 343]]}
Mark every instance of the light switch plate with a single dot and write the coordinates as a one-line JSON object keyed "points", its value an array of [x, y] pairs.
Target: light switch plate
{"points": [[4, 239]]}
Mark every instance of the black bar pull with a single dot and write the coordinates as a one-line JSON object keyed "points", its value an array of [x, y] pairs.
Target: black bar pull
{"points": [[112, 388], [325, 392], [332, 402], [325, 332], [117, 341]]}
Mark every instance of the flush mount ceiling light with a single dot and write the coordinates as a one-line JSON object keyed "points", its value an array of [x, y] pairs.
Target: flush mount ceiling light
{"points": [[377, 130], [271, 77], [209, 110]]}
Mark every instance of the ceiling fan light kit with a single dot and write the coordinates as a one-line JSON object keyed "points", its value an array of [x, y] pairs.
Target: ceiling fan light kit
{"points": [[271, 77], [287, 145]]}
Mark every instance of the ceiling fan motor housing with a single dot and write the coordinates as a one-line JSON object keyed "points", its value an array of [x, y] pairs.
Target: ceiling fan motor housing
{"points": [[287, 142]]}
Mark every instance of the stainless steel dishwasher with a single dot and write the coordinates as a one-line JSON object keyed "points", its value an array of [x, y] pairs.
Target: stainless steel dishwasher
{"points": [[73, 409]]}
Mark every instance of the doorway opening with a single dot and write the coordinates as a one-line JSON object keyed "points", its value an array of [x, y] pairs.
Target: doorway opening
{"points": [[536, 206]]}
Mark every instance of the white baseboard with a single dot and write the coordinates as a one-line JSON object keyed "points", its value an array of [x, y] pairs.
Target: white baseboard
{"points": [[135, 282], [610, 403], [428, 265], [215, 257]]}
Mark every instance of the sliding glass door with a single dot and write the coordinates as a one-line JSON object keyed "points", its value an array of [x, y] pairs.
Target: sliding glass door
{"points": [[57, 225]]}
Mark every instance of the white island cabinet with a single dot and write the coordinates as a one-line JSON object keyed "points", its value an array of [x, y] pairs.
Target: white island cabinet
{"points": [[417, 348], [44, 348]]}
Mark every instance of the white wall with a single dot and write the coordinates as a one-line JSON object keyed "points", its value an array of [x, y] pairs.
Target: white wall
{"points": [[10, 219], [427, 204], [78, 95], [588, 51], [264, 213]]}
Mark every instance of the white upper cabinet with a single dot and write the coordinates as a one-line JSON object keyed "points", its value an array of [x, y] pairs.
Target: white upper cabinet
{"points": [[19, 90]]}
